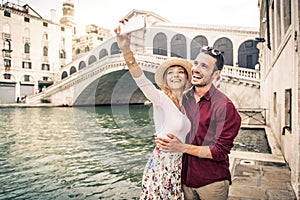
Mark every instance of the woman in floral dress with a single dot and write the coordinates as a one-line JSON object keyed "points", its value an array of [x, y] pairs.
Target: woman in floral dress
{"points": [[162, 174]]}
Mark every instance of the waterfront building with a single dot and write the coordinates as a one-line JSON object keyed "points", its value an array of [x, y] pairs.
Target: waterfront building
{"points": [[33, 54], [33, 51], [94, 36], [82, 44], [280, 77]]}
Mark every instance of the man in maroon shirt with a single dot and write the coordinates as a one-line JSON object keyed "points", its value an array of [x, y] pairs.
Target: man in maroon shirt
{"points": [[215, 124]]}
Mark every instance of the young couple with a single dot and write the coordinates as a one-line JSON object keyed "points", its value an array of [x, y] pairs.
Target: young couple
{"points": [[195, 127]]}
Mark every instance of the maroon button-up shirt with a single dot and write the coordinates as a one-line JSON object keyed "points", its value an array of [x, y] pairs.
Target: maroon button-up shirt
{"points": [[215, 123]]}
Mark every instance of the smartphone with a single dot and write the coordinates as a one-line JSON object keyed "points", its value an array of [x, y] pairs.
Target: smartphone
{"points": [[133, 24]]}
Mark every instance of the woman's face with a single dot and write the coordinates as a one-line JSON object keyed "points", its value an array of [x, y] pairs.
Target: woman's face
{"points": [[176, 77]]}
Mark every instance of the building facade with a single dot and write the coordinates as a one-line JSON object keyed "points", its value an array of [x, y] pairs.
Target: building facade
{"points": [[94, 36], [280, 83], [29, 61]]}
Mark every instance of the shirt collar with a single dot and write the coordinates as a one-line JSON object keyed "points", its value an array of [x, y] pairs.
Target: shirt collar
{"points": [[207, 96]]}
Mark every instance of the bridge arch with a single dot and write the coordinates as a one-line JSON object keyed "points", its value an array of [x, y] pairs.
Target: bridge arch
{"points": [[92, 59], [64, 75], [114, 49], [248, 54], [103, 53], [225, 45], [81, 65], [117, 85], [196, 44], [178, 46], [72, 70], [160, 44]]}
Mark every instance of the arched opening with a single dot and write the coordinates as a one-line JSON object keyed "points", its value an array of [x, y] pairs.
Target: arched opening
{"points": [[160, 44], [248, 54], [178, 46], [225, 46], [197, 43]]}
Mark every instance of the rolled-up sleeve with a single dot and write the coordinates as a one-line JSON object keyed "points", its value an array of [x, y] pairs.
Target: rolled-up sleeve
{"points": [[227, 128]]}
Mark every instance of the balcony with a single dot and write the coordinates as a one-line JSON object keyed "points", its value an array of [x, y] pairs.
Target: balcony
{"points": [[6, 53], [44, 43], [26, 40], [44, 59], [26, 56], [6, 36]]}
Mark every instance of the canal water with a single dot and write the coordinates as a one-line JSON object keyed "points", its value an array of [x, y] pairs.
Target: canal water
{"points": [[83, 152]]}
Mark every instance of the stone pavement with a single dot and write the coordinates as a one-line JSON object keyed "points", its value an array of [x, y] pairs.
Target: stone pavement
{"points": [[259, 176]]}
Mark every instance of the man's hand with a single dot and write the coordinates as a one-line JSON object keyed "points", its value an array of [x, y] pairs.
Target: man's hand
{"points": [[171, 144]]}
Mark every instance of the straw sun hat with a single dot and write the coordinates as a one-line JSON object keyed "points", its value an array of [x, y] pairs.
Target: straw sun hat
{"points": [[159, 75]]}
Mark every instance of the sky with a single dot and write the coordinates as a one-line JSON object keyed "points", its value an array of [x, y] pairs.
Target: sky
{"points": [[107, 13]]}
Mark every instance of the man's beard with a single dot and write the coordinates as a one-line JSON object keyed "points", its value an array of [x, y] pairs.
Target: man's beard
{"points": [[200, 85], [204, 83]]}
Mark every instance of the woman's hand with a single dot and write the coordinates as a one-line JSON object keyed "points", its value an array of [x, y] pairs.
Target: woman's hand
{"points": [[123, 40]]}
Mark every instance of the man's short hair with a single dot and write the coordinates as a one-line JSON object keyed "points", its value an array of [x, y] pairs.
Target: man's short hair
{"points": [[216, 53]]}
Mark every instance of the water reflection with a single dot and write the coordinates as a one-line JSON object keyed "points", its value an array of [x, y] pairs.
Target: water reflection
{"points": [[72, 153]]}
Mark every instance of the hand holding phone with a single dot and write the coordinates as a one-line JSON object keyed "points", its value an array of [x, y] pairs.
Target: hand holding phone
{"points": [[133, 24]]}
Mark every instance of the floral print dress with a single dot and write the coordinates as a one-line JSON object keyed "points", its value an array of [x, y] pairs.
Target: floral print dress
{"points": [[162, 176]]}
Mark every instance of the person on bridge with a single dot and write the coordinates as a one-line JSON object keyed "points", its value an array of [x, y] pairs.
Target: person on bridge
{"points": [[162, 173], [215, 124]]}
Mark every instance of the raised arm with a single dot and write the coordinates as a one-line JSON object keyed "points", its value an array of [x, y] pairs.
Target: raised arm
{"points": [[124, 45]]}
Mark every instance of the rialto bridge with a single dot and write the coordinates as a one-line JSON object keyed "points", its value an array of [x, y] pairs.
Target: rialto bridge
{"points": [[107, 81], [101, 76]]}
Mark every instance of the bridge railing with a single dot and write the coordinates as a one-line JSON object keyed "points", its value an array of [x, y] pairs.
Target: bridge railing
{"points": [[241, 73]]}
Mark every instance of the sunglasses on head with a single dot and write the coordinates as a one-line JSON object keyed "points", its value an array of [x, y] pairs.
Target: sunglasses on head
{"points": [[211, 51]]}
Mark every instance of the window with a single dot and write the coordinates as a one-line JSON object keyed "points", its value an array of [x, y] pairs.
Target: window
{"points": [[26, 48], [62, 54], [6, 13], [45, 51], [87, 49], [275, 103], [45, 78], [62, 28], [288, 108], [45, 24], [273, 28], [7, 63], [26, 65], [77, 51], [7, 46], [287, 14], [278, 23], [45, 36], [26, 19], [46, 67], [7, 76], [26, 78]]}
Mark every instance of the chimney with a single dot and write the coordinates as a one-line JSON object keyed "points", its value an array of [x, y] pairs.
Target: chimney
{"points": [[53, 15]]}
